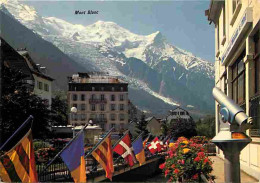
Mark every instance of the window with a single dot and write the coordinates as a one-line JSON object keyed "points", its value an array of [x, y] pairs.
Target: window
{"points": [[74, 97], [224, 24], [235, 4], [113, 98], [174, 113], [102, 107], [83, 117], [121, 97], [113, 88], [46, 87], [40, 85], [121, 89], [75, 105], [113, 125], [93, 96], [121, 107], [75, 117], [122, 125], [82, 97], [113, 107], [257, 62], [83, 107], [102, 97], [254, 109], [92, 116], [238, 80], [102, 88], [113, 117], [225, 83], [102, 116], [93, 107], [93, 88], [121, 117], [102, 126]]}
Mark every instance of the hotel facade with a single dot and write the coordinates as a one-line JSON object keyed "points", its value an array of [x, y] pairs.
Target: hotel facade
{"points": [[100, 98], [237, 67]]}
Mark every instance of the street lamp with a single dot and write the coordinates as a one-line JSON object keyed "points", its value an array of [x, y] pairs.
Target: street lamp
{"points": [[73, 111]]}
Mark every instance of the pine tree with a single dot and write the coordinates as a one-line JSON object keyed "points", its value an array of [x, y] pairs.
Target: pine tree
{"points": [[19, 103], [142, 126]]}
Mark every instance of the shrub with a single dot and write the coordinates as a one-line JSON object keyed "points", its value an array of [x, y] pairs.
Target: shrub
{"points": [[186, 161], [44, 155]]}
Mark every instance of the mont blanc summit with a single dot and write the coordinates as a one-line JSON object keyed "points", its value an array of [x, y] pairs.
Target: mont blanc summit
{"points": [[154, 68]]}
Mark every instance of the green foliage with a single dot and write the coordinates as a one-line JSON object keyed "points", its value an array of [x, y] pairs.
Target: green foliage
{"points": [[40, 144], [206, 126], [19, 104], [141, 126], [182, 128], [59, 110]]}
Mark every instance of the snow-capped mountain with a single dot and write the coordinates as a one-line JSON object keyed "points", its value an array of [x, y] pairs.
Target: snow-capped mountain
{"points": [[148, 62]]}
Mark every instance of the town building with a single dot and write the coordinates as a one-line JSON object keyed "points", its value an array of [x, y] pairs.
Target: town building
{"points": [[237, 67], [154, 126], [12, 59], [42, 82], [178, 113], [100, 98]]}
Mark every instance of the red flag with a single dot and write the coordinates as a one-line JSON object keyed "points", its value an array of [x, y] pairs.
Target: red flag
{"points": [[125, 149], [155, 146]]}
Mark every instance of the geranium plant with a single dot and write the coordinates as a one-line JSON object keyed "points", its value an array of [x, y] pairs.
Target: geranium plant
{"points": [[186, 161]]}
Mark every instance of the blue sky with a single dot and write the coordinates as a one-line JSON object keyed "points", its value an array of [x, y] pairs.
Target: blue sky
{"points": [[183, 23]]}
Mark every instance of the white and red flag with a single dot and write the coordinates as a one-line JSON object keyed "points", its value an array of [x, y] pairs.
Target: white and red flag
{"points": [[155, 145], [125, 149]]}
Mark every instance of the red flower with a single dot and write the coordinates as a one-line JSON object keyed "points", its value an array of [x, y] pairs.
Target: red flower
{"points": [[197, 159], [181, 161], [162, 166], [201, 154], [166, 172], [176, 171], [206, 160], [173, 166], [195, 176]]}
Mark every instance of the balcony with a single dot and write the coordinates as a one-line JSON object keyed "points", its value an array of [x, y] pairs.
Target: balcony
{"points": [[97, 101]]}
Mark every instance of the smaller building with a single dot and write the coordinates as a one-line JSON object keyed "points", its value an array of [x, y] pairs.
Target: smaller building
{"points": [[92, 133], [42, 82], [154, 126], [178, 113]]}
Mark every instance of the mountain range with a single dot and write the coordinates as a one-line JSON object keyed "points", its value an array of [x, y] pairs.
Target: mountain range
{"points": [[161, 76]]}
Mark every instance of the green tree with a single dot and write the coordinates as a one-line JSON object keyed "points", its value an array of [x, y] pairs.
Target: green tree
{"points": [[182, 127], [19, 103], [206, 126], [141, 126], [59, 109]]}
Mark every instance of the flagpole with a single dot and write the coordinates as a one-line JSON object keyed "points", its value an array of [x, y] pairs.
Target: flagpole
{"points": [[138, 137], [95, 147], [120, 139], [27, 120], [57, 155]]}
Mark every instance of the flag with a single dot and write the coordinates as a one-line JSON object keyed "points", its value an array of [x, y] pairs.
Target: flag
{"points": [[139, 150], [18, 164], [145, 141], [155, 146], [104, 155], [73, 157], [125, 149]]}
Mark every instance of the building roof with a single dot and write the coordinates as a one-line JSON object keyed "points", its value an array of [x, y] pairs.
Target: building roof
{"points": [[94, 78], [214, 10], [32, 65]]}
